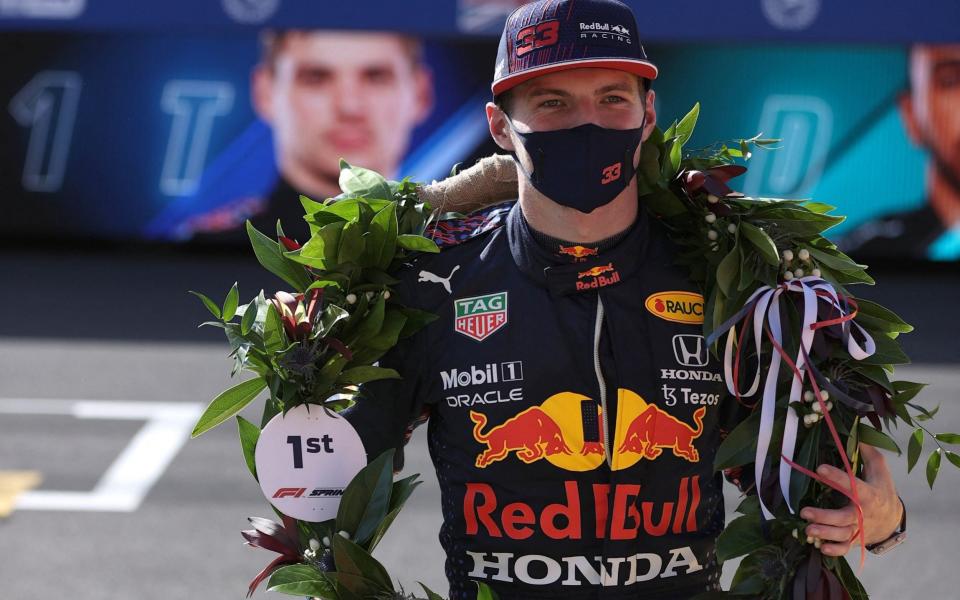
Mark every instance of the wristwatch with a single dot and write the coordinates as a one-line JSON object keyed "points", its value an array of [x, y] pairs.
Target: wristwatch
{"points": [[895, 539]]}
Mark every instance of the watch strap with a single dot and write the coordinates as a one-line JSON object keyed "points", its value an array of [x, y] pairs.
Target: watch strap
{"points": [[895, 539]]}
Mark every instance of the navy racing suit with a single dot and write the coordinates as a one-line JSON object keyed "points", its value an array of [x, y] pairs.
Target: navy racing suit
{"points": [[574, 412]]}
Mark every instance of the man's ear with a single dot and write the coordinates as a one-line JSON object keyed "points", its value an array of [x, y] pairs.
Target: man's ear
{"points": [[499, 127], [650, 113], [261, 91], [909, 117]]}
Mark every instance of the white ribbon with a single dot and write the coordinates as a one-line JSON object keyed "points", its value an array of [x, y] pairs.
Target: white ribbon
{"points": [[767, 310]]}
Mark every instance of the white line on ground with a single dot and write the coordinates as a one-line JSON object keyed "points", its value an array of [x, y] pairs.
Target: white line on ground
{"points": [[128, 480]]}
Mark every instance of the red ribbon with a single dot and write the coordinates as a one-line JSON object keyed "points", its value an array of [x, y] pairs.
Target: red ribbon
{"points": [[852, 494]]}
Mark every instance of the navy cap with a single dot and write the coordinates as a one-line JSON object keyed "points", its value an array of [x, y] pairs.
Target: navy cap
{"points": [[554, 35]]}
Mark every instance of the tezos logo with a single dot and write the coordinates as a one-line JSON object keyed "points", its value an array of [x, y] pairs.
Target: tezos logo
{"points": [[479, 317], [250, 11], [677, 307], [690, 350]]}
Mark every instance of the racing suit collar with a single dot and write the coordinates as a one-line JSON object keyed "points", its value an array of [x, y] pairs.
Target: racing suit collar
{"points": [[591, 271]]}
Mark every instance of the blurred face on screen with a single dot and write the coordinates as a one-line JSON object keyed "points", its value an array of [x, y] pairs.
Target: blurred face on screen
{"points": [[931, 113], [329, 95]]}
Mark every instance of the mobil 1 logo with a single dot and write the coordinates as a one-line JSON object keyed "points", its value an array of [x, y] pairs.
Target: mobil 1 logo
{"points": [[305, 459], [461, 385]]}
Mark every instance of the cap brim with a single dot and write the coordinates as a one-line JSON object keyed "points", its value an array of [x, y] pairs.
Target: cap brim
{"points": [[637, 67]]}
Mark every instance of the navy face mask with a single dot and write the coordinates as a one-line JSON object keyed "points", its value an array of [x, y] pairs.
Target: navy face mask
{"points": [[584, 167]]}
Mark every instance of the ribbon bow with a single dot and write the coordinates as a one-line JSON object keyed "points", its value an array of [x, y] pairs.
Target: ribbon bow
{"points": [[763, 307]]}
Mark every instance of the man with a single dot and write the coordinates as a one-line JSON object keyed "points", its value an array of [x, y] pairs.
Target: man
{"points": [[574, 411], [328, 95], [931, 115]]}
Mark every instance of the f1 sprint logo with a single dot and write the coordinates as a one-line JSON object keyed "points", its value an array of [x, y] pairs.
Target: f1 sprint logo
{"points": [[690, 350]]}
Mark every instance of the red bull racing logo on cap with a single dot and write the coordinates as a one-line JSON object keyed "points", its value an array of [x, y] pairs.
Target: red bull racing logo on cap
{"points": [[480, 316], [677, 307], [566, 431]]}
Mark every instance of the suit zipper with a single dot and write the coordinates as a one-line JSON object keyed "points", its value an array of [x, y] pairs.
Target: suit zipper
{"points": [[598, 328]]}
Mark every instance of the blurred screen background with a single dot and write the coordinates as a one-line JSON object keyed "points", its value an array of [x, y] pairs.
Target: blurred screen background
{"points": [[137, 137]]}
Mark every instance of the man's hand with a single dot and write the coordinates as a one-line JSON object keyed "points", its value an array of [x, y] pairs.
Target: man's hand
{"points": [[882, 510]]}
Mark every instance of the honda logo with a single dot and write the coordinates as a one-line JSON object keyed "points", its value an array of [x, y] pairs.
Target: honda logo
{"points": [[690, 350]]}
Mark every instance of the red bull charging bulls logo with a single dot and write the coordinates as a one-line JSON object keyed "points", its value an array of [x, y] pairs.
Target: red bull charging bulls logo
{"points": [[566, 431]]}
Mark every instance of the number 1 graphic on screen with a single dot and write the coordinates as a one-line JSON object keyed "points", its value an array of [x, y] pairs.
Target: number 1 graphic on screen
{"points": [[47, 105], [313, 447], [194, 105]]}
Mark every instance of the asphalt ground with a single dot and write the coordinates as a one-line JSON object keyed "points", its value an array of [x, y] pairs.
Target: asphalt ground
{"points": [[102, 372]]}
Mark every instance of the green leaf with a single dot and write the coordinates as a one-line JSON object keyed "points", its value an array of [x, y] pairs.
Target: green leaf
{"points": [[357, 181], [925, 415], [393, 323], [914, 448], [877, 439], [948, 438], [872, 315], [270, 254], [249, 318], [353, 560], [228, 403], [818, 207], [382, 528], [274, 338], [328, 238], [953, 458], [807, 457], [853, 441], [687, 124], [249, 434], [484, 592], [888, 352], [728, 272], [230, 303], [373, 322], [849, 580], [366, 500], [310, 206], [740, 445], [417, 243], [358, 375], [672, 163], [933, 466], [351, 243], [383, 231], [759, 239], [431, 595], [210, 304], [906, 390], [741, 536], [302, 580]]}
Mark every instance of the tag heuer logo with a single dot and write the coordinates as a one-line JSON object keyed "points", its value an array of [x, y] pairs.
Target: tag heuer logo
{"points": [[480, 316]]}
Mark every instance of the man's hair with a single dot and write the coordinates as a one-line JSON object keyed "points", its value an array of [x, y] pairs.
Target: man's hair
{"points": [[272, 42], [503, 100]]}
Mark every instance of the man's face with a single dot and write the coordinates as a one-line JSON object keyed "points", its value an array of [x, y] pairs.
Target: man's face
{"points": [[566, 99], [932, 111], [352, 95]]}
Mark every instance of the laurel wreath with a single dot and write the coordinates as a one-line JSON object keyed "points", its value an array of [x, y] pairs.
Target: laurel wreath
{"points": [[316, 344]]}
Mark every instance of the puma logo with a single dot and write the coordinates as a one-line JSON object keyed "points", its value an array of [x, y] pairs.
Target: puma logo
{"points": [[427, 276]]}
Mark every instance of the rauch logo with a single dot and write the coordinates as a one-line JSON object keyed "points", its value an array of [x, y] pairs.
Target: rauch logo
{"points": [[678, 307]]}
